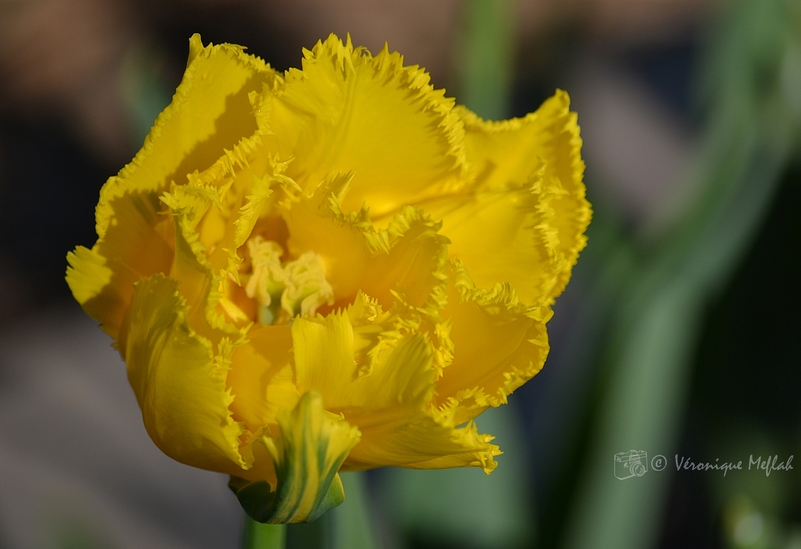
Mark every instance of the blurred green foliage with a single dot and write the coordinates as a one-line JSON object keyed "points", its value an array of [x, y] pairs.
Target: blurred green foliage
{"points": [[645, 297]]}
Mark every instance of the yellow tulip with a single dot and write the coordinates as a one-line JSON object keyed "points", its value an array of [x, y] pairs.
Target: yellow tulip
{"points": [[330, 269]]}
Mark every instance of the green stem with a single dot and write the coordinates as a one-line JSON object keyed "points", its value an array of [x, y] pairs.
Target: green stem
{"points": [[352, 525], [311, 535], [263, 536]]}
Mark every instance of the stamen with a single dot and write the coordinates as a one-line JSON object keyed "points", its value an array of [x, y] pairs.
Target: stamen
{"points": [[284, 291]]}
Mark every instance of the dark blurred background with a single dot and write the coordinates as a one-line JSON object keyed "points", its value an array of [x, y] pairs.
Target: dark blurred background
{"points": [[678, 336]]}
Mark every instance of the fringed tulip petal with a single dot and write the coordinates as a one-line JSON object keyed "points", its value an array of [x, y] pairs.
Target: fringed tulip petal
{"points": [[505, 154], [179, 380], [330, 269], [210, 111], [498, 344], [347, 111]]}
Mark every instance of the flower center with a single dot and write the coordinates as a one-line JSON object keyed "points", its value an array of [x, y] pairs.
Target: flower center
{"points": [[285, 290]]}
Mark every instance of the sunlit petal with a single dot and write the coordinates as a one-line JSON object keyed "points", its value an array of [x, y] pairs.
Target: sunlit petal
{"points": [[348, 111]]}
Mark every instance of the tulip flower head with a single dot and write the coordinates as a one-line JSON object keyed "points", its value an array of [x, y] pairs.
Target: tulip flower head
{"points": [[330, 269]]}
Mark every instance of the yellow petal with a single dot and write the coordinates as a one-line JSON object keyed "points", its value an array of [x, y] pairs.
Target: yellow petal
{"points": [[506, 236], [498, 344], [389, 402], [504, 155], [325, 362], [312, 226], [102, 278], [348, 111], [205, 285], [405, 259], [307, 452], [248, 183], [89, 277], [418, 439], [210, 111], [190, 267], [324, 357], [261, 377], [260, 200], [179, 380], [408, 262], [507, 152]]}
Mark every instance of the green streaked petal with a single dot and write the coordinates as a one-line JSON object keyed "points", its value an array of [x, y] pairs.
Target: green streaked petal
{"points": [[308, 451]]}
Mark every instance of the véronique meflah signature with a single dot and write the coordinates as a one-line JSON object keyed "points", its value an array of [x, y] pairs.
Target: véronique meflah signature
{"points": [[768, 465]]}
